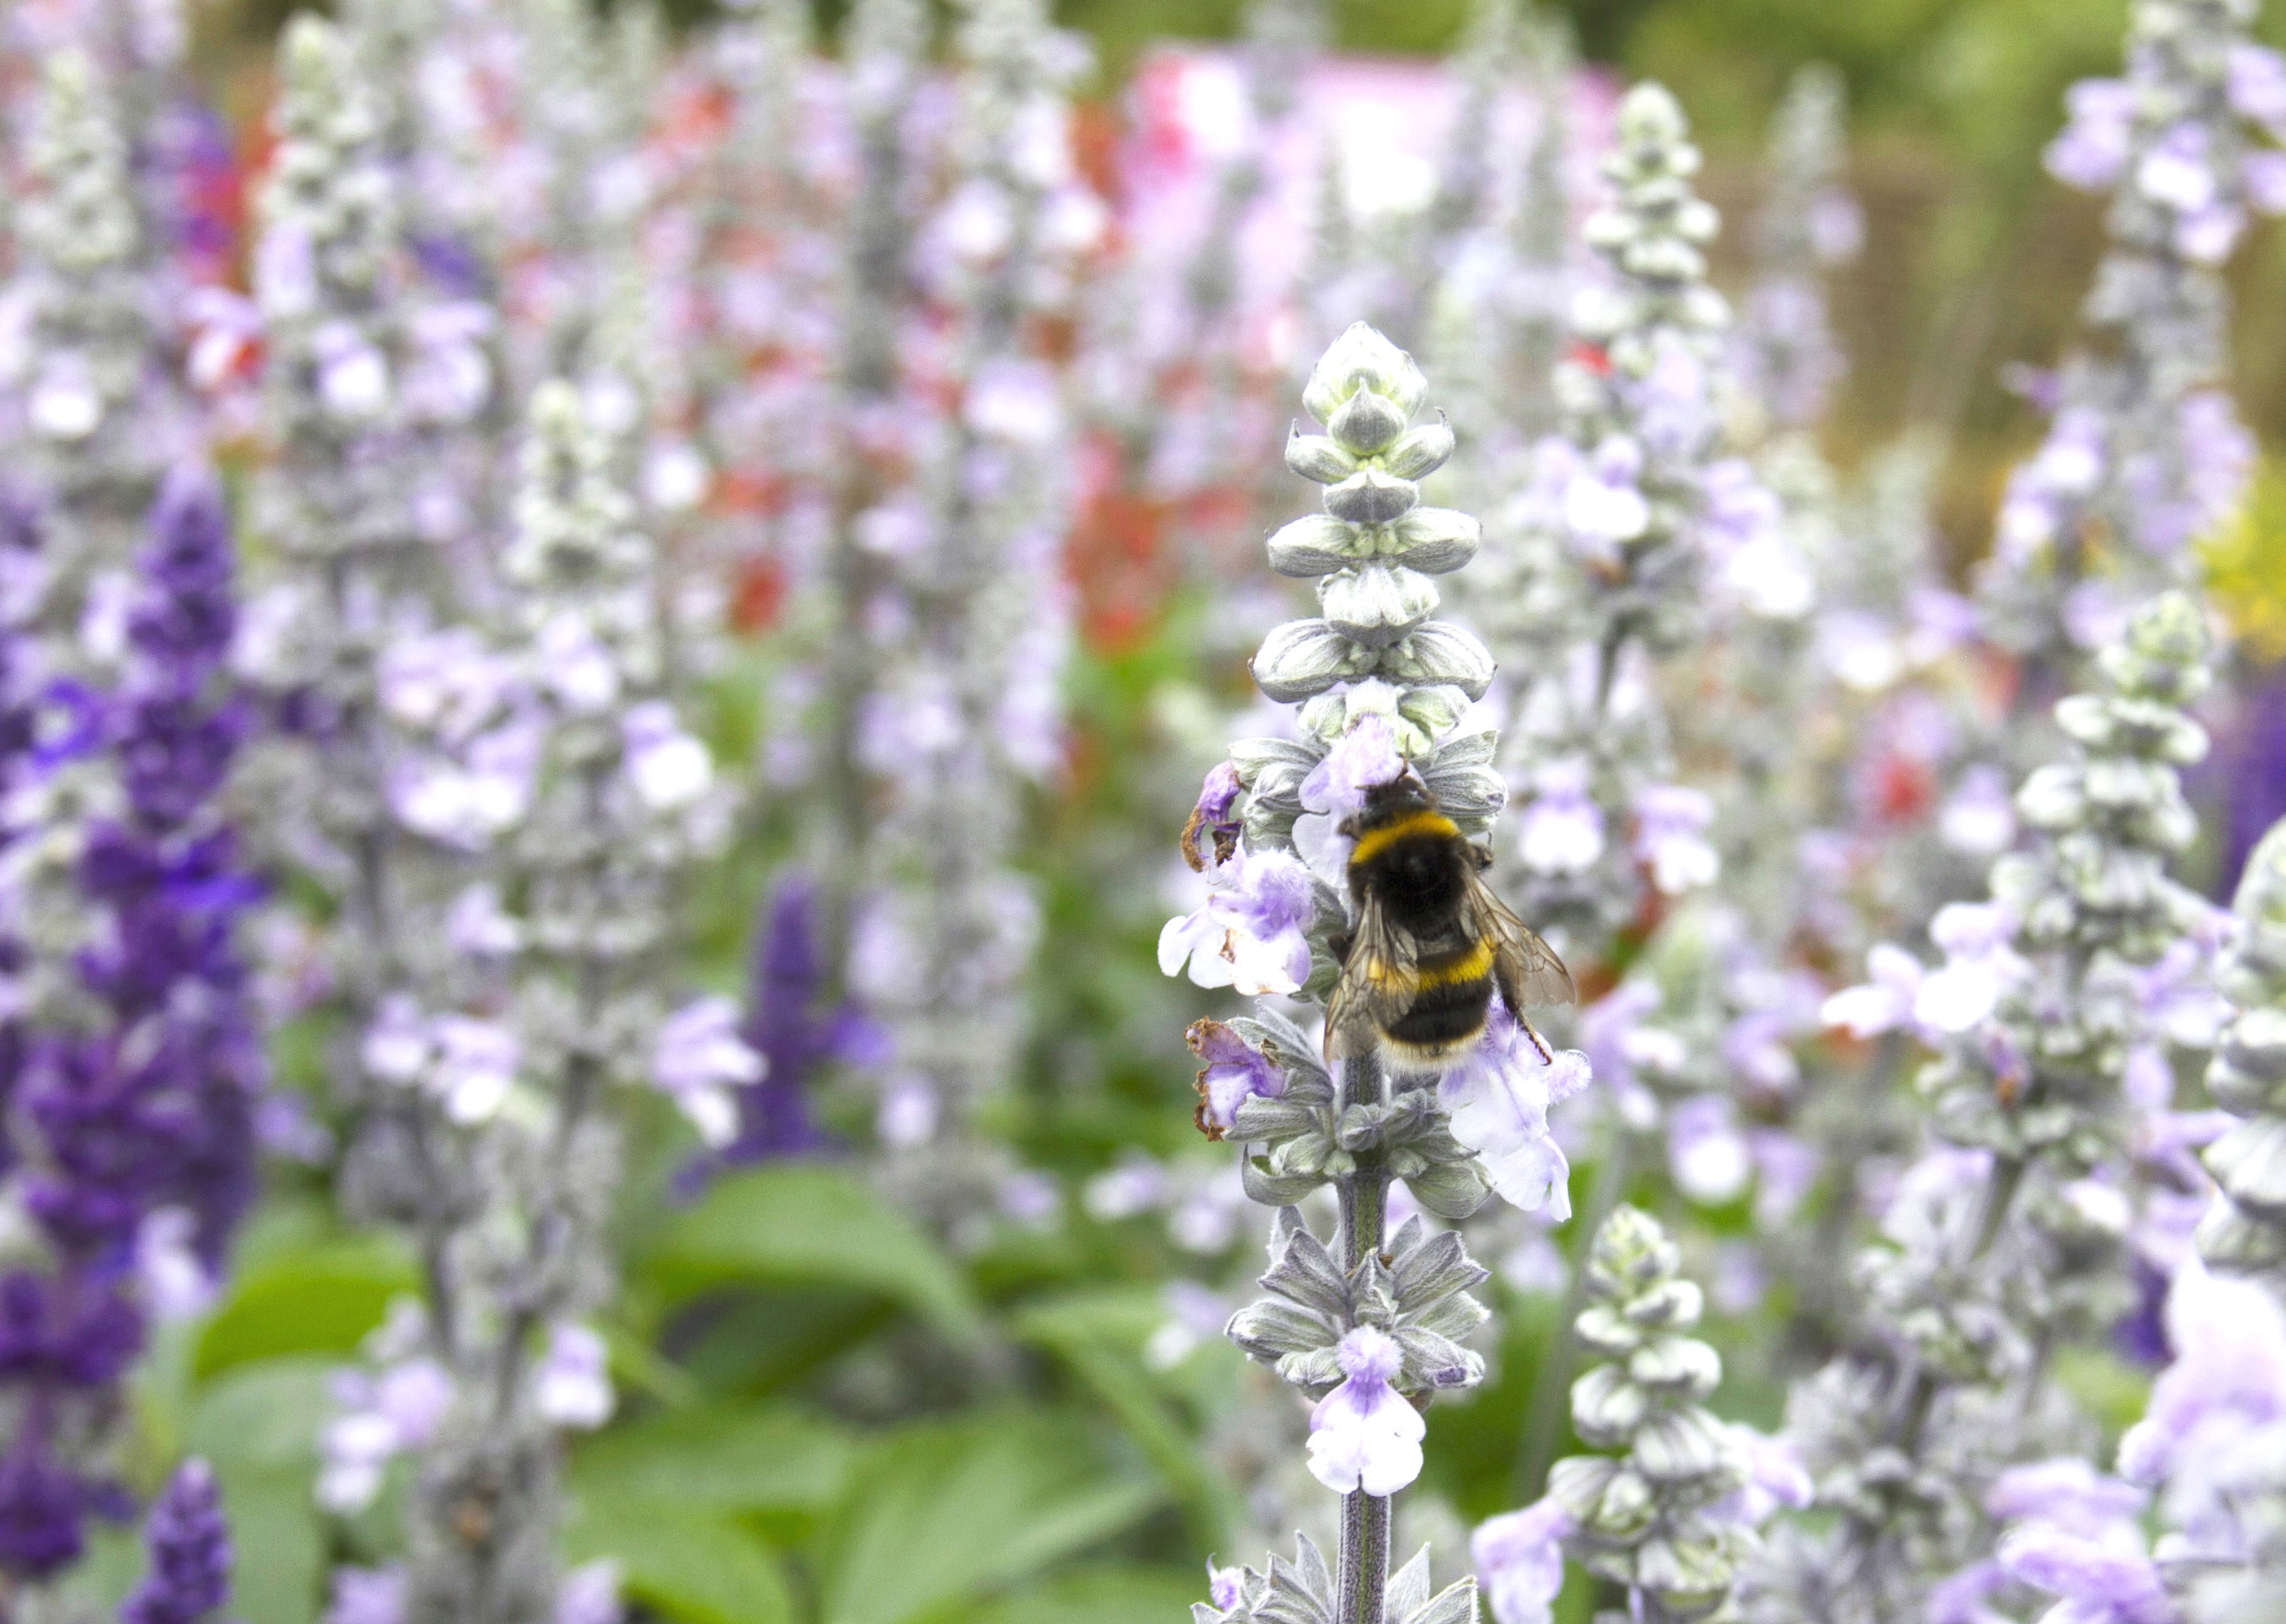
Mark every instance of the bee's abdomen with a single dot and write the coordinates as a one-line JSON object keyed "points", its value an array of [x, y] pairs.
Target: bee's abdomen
{"points": [[1451, 992]]}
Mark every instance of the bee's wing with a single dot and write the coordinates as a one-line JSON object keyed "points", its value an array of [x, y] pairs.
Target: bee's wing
{"points": [[1377, 985], [1526, 969]]}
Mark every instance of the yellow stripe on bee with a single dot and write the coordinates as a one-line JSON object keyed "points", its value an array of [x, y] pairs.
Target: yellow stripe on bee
{"points": [[1373, 842], [1473, 966]]}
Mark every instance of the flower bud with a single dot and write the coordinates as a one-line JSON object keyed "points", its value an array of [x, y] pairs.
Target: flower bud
{"points": [[1318, 544], [1376, 604], [1419, 451], [1305, 658], [1371, 497], [1436, 540], [1315, 457], [1441, 652]]}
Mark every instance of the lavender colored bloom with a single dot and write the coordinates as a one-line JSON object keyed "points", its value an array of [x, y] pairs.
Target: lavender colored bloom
{"points": [[1250, 933], [2102, 1580], [1234, 1071], [367, 1596], [1364, 1434], [1213, 832], [1520, 1557], [1334, 790], [1499, 1097], [571, 1384], [190, 1547], [1671, 825], [699, 1059], [1561, 829]]}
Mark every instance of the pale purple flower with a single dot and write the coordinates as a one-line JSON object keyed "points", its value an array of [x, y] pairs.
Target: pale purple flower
{"points": [[590, 1594], [1774, 1477], [1231, 1071], [1981, 965], [397, 1046], [1015, 400], [2106, 1580], [1601, 504], [2258, 85], [1365, 1434], [2092, 151], [446, 683], [2228, 1379], [1979, 817], [383, 1416], [668, 768], [1706, 1152], [1249, 933], [2066, 1491], [2178, 170], [908, 1111], [571, 1385], [474, 1066], [477, 927], [1619, 1043], [1786, 1170], [699, 1059], [1519, 1558], [2264, 176], [285, 272], [1362, 759], [1758, 1047], [1671, 825], [177, 1284], [1136, 1184], [1498, 1100], [448, 376], [1223, 1586], [352, 377], [577, 669], [1561, 829], [675, 477], [1212, 830], [1962, 1598], [367, 1596]]}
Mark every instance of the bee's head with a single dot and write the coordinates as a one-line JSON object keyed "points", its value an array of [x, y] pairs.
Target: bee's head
{"points": [[1400, 797]]}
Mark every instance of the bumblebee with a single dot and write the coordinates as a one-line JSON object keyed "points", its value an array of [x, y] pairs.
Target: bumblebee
{"points": [[1433, 943]]}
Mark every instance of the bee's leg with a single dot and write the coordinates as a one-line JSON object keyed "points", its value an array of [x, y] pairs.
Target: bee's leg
{"points": [[1546, 1058]]}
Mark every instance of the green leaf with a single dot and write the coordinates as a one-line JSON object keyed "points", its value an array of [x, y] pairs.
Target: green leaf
{"points": [[756, 1342], [940, 1514], [717, 1458], [807, 1225], [1098, 1336], [1102, 1595], [680, 1560], [279, 1573], [265, 1417], [324, 1300]]}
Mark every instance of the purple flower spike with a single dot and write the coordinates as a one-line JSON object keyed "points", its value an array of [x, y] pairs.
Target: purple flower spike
{"points": [[189, 1541], [794, 1036], [42, 1508]]}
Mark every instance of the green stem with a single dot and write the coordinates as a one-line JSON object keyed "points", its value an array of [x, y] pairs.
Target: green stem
{"points": [[1551, 1384], [1363, 1582]]}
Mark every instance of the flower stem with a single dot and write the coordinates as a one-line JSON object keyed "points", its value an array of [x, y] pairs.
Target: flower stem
{"points": [[1551, 1383], [1360, 1595]]}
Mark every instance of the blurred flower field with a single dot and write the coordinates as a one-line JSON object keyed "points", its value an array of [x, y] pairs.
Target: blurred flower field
{"points": [[695, 925]]}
